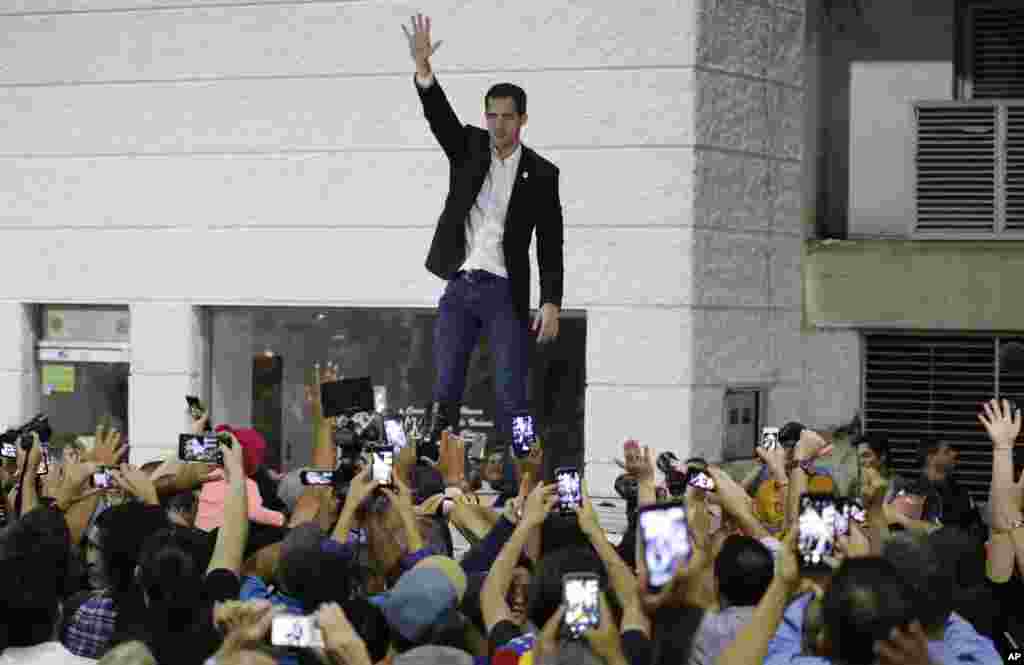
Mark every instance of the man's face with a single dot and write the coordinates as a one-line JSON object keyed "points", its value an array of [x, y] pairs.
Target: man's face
{"points": [[93, 563], [504, 122], [868, 458], [945, 458]]}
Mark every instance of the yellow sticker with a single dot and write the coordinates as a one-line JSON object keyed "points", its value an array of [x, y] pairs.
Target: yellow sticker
{"points": [[59, 378]]}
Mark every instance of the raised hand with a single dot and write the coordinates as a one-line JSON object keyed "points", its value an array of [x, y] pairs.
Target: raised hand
{"points": [[108, 450], [1003, 427], [540, 502], [639, 462], [136, 483], [420, 48]]}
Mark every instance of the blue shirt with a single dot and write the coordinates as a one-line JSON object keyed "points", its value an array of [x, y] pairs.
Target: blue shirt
{"points": [[960, 643]]}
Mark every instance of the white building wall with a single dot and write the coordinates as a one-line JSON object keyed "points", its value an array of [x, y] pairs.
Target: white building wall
{"points": [[178, 153]]}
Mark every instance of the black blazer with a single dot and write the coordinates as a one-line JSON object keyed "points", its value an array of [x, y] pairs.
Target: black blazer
{"points": [[534, 204]]}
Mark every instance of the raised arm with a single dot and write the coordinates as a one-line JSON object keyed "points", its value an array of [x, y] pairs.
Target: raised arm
{"points": [[233, 534], [445, 125], [1007, 543]]}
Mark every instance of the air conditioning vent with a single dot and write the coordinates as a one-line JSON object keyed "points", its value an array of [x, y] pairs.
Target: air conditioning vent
{"points": [[997, 51], [956, 168], [923, 384], [1015, 168]]}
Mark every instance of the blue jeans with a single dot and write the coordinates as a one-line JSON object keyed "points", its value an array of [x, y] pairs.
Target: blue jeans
{"points": [[474, 302]]}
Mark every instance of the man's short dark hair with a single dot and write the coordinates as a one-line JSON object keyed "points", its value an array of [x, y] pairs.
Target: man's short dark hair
{"points": [[505, 90], [928, 446], [744, 568], [545, 593], [930, 580], [865, 601], [309, 574], [877, 443], [123, 530]]}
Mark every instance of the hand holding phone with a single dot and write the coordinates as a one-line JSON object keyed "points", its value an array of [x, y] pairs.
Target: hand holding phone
{"points": [[701, 480], [203, 447], [394, 433], [570, 493], [817, 530], [664, 537], [524, 435], [297, 631], [382, 465], [582, 595], [769, 438], [316, 478], [101, 479]]}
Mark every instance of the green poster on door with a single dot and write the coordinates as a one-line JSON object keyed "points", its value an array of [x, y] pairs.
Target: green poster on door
{"points": [[59, 378]]}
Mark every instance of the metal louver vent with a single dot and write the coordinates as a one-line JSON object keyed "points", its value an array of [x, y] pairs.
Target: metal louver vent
{"points": [[918, 385], [956, 168], [1014, 186], [997, 51]]}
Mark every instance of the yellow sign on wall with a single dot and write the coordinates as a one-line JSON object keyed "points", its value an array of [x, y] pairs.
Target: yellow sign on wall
{"points": [[59, 378]]}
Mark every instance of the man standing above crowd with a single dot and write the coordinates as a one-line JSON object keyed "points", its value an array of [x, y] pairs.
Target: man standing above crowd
{"points": [[500, 191]]}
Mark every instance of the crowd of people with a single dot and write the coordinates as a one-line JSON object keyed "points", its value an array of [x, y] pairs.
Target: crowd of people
{"points": [[177, 563]]}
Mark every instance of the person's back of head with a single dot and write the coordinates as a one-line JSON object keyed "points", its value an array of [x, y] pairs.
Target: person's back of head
{"points": [[309, 574], [929, 579], [964, 556], [743, 570], [545, 593], [172, 578], [123, 529], [866, 599], [34, 555]]}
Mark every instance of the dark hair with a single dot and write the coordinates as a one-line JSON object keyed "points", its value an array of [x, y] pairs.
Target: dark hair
{"points": [[504, 90], [310, 575], [917, 563], [673, 630], [545, 594], [122, 530], [183, 502], [744, 568], [929, 445], [964, 555], [866, 599], [878, 444], [371, 625], [172, 578], [34, 557]]}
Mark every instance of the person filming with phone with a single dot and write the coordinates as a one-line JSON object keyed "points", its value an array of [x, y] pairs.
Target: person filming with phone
{"points": [[501, 191]]}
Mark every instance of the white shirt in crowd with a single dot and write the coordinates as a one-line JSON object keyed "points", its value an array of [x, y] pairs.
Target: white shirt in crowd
{"points": [[47, 653], [485, 225]]}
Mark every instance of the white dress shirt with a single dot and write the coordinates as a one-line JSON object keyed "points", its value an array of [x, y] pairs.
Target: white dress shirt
{"points": [[485, 224]]}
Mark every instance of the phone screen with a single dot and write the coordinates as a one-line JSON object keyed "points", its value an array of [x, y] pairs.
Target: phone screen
{"points": [[770, 438], [701, 480], [317, 477], [855, 511], [666, 541], [569, 493], [101, 479], [196, 448], [382, 459], [295, 631], [582, 603], [10, 450], [817, 526], [523, 435], [395, 433]]}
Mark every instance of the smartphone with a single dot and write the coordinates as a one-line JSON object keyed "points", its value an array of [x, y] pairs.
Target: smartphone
{"points": [[381, 464], [101, 478], [817, 530], [582, 595], [348, 395], [665, 538], [9, 450], [700, 479], [394, 433], [855, 510], [316, 477], [199, 448], [769, 438], [292, 630], [523, 435], [570, 495]]}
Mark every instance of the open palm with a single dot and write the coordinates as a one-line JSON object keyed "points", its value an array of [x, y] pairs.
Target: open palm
{"points": [[420, 47]]}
